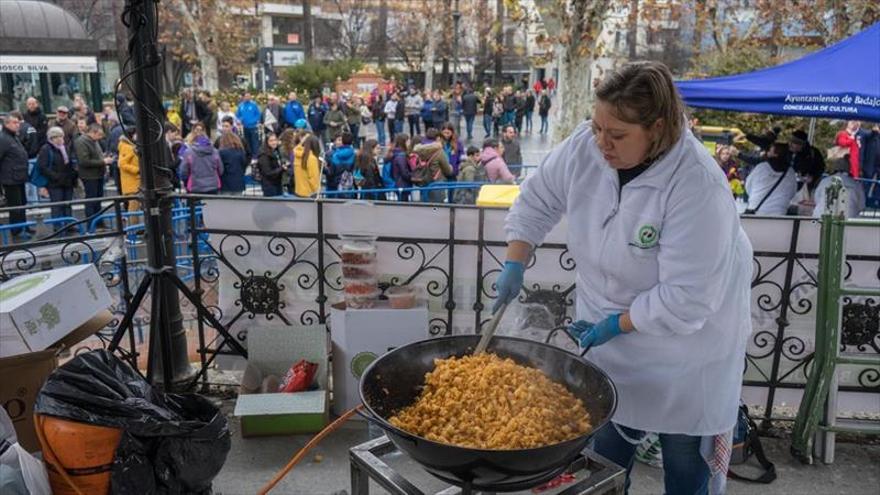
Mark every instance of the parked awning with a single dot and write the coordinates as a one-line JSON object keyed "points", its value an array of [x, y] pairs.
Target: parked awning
{"points": [[48, 63]]}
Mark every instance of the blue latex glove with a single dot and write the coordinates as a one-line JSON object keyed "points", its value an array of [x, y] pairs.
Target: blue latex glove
{"points": [[509, 283], [593, 334]]}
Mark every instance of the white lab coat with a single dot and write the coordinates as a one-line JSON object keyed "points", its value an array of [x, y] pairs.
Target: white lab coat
{"points": [[855, 201], [671, 251], [761, 180]]}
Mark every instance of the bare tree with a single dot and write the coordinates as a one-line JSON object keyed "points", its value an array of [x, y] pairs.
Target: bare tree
{"points": [[578, 24], [354, 36]]}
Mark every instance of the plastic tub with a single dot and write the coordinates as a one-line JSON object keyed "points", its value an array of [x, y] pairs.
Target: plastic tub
{"points": [[356, 271], [361, 286], [358, 249], [402, 297], [361, 300]]}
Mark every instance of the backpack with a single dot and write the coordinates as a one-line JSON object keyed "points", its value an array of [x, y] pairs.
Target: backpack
{"points": [[745, 443], [35, 175], [421, 168], [346, 181], [388, 173]]}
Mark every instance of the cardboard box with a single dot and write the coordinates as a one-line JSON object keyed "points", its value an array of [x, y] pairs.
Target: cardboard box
{"points": [[359, 336], [24, 375], [39, 309], [273, 349]]}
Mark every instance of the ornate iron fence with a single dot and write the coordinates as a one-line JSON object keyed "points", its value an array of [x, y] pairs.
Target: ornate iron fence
{"points": [[261, 269]]}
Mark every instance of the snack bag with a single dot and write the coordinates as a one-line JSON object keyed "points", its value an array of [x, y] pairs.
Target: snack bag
{"points": [[299, 377]]}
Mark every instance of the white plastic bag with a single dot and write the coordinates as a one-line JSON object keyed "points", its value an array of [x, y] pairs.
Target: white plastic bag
{"points": [[20, 472], [535, 322]]}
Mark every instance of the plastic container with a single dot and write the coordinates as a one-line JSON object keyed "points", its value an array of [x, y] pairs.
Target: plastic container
{"points": [[401, 297], [361, 300], [358, 250], [361, 286], [84, 452], [355, 271]]}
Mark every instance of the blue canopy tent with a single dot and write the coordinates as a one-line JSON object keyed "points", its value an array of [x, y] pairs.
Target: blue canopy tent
{"points": [[841, 81]]}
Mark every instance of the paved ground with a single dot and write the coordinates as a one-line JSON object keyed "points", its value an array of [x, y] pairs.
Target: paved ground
{"points": [[252, 462]]}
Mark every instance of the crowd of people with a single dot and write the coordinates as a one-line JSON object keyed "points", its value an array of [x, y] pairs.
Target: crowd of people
{"points": [[337, 145], [779, 177], [395, 143], [348, 145]]}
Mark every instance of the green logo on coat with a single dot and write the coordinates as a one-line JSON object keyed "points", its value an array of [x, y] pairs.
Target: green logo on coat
{"points": [[647, 237]]}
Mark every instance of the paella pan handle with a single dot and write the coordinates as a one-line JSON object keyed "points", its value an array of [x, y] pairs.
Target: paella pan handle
{"points": [[368, 416]]}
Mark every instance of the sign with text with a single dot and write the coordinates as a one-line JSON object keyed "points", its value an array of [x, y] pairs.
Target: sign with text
{"points": [[287, 58], [47, 63]]}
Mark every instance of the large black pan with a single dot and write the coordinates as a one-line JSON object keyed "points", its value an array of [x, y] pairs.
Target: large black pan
{"points": [[394, 381]]}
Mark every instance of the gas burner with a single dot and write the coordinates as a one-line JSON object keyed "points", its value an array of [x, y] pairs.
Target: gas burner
{"points": [[594, 475]]}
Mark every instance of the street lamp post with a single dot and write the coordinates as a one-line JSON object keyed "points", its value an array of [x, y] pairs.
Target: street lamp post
{"points": [[456, 16]]}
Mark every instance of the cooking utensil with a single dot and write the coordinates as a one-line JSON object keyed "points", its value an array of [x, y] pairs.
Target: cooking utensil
{"points": [[489, 330], [395, 380]]}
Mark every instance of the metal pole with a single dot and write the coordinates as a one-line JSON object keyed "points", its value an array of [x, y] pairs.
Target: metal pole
{"points": [[143, 49], [456, 17]]}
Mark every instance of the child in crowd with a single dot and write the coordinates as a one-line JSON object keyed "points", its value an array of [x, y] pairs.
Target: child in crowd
{"points": [[471, 170]]}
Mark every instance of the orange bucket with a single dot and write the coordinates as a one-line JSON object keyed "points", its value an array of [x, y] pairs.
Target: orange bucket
{"points": [[79, 455]]}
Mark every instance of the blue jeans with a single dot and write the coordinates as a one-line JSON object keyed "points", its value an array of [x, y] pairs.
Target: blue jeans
{"points": [[414, 129], [380, 132], [59, 194], [508, 118], [398, 127], [487, 124], [684, 469], [544, 125], [469, 125], [94, 188], [355, 134], [252, 136], [529, 121]]}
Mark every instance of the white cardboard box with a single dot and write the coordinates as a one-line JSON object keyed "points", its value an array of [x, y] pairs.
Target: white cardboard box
{"points": [[39, 309], [360, 336], [273, 349]]}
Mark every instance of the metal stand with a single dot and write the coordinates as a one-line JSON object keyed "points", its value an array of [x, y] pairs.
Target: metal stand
{"points": [[166, 322], [817, 414], [602, 475]]}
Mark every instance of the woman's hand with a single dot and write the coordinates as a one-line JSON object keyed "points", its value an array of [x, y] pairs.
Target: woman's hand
{"points": [[509, 283], [594, 334]]}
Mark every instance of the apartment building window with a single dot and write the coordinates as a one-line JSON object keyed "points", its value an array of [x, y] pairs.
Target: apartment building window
{"points": [[287, 31]]}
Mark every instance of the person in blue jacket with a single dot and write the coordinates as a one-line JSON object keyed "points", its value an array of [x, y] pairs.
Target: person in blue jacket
{"points": [[293, 111], [427, 112], [340, 173], [440, 112], [248, 113], [316, 113]]}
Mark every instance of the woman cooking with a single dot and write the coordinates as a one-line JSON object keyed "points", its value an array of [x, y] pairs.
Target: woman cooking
{"points": [[663, 270]]}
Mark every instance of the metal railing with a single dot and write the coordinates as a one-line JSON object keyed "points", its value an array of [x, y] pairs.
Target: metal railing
{"points": [[783, 283]]}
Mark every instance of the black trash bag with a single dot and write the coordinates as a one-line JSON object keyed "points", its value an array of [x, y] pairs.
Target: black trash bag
{"points": [[171, 443]]}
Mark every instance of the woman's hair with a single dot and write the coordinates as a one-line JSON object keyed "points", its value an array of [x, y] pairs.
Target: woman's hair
{"points": [[268, 136], [364, 159], [311, 146], [454, 140], [400, 140], [490, 143], [229, 140], [288, 140], [643, 93]]}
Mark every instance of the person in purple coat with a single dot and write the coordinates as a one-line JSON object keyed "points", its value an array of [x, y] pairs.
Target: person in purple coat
{"points": [[454, 152], [400, 172]]}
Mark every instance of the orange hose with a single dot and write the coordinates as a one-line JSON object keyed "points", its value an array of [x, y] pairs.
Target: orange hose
{"points": [[303, 451]]}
